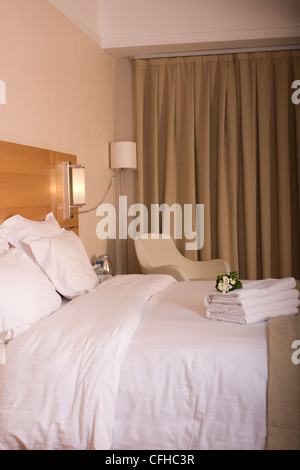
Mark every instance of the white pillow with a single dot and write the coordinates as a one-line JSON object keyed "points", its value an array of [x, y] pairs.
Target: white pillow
{"points": [[64, 259], [3, 246], [26, 294], [17, 227]]}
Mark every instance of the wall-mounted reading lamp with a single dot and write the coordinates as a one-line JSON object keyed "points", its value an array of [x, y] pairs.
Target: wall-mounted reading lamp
{"points": [[122, 157], [73, 188]]}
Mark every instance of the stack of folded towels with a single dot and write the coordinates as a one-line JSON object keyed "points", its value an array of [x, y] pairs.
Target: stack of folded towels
{"points": [[256, 301]]}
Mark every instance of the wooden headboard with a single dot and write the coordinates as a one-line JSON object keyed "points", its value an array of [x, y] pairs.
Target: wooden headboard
{"points": [[31, 183]]}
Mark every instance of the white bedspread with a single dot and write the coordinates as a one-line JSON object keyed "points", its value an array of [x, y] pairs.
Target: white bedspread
{"points": [[135, 365], [60, 382]]}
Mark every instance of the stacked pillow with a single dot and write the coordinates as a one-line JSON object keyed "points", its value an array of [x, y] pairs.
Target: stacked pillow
{"points": [[26, 294], [44, 261], [63, 258], [16, 228], [3, 246]]}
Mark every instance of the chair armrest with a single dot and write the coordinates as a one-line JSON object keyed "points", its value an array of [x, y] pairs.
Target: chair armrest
{"points": [[170, 269]]}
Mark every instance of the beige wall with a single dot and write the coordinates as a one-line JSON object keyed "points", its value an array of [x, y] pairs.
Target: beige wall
{"points": [[124, 129], [59, 95], [182, 25], [135, 19], [126, 184]]}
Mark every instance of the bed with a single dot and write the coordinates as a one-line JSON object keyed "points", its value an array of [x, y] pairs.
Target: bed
{"points": [[132, 363]]}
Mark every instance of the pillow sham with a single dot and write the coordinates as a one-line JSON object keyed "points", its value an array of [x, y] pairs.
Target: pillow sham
{"points": [[17, 227], [3, 246], [26, 294], [64, 259]]}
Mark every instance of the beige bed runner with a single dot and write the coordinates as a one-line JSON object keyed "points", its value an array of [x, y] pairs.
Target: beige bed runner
{"points": [[284, 384]]}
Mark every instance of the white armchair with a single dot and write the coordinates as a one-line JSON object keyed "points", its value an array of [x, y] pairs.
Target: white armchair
{"points": [[158, 255]]}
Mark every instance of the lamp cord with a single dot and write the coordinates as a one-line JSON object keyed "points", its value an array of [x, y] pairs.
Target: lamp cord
{"points": [[99, 204]]}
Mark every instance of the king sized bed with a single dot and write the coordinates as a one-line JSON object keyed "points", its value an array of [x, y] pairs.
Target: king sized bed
{"points": [[132, 363]]}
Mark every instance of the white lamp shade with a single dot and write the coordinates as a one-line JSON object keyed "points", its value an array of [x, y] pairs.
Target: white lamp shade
{"points": [[123, 155], [78, 186]]}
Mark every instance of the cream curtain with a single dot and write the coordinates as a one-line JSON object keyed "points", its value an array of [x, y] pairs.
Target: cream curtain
{"points": [[222, 131]]}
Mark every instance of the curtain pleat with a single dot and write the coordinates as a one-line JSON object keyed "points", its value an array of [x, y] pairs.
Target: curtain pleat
{"points": [[222, 131], [268, 215]]}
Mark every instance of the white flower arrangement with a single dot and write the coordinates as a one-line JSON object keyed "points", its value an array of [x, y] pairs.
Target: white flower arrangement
{"points": [[226, 283]]}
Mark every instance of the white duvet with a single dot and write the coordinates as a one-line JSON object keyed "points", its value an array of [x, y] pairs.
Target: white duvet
{"points": [[135, 365], [59, 385], [188, 382]]}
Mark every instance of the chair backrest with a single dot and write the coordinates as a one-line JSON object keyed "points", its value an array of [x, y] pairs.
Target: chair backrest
{"points": [[155, 250], [157, 253]]}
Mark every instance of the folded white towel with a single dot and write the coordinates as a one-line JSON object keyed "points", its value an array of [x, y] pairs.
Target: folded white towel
{"points": [[253, 289], [254, 314], [253, 319], [211, 300], [256, 301]]}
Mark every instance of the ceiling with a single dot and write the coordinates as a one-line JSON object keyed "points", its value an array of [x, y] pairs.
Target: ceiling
{"points": [[143, 28]]}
